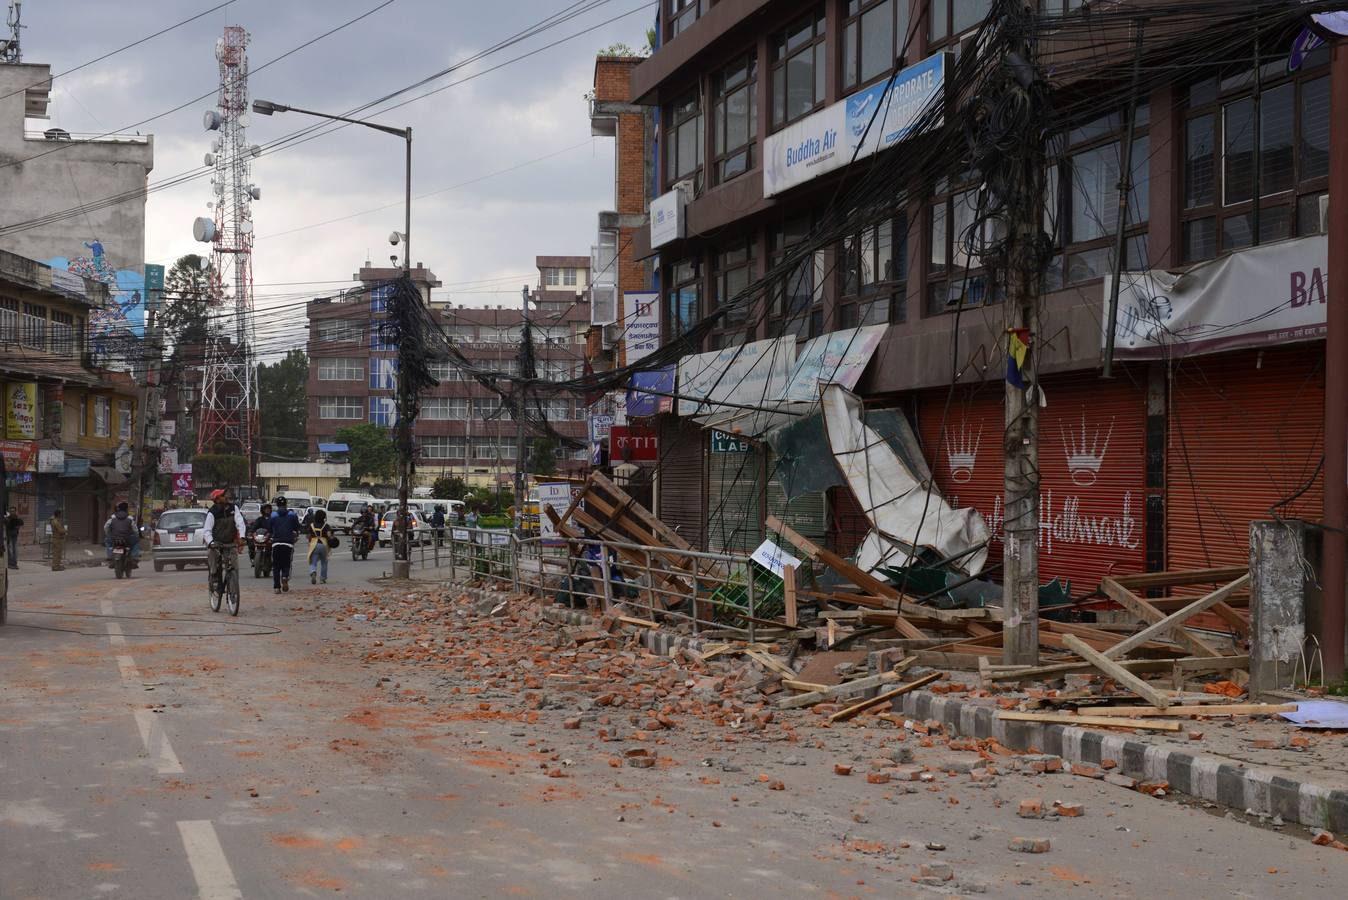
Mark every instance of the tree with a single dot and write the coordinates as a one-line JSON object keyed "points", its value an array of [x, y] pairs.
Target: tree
{"points": [[542, 456], [449, 487], [189, 293], [372, 453], [220, 469], [283, 406]]}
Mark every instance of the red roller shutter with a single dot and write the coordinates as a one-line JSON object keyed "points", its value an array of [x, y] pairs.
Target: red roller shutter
{"points": [[1246, 430], [1092, 441]]}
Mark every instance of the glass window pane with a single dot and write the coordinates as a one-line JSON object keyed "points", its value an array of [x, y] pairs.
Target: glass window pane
{"points": [[820, 68], [939, 21], [969, 13], [1139, 196], [938, 236], [1089, 265], [877, 40], [779, 96], [1275, 223], [1094, 198], [1308, 214], [850, 55], [738, 107], [901, 41], [1276, 116], [884, 251], [800, 83], [1238, 151], [1314, 129], [1236, 232], [965, 243], [1198, 162], [687, 150], [800, 33], [1200, 239]]}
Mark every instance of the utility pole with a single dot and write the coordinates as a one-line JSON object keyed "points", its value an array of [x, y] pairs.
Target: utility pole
{"points": [[146, 458], [402, 565], [521, 403], [1024, 274]]}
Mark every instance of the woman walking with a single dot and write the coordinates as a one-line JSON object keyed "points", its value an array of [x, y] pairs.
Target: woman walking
{"points": [[320, 541]]}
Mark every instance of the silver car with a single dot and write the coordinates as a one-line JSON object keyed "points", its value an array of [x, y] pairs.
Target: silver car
{"points": [[178, 539]]}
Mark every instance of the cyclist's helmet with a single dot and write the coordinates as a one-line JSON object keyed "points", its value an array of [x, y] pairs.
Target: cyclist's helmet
{"points": [[280, 501]]}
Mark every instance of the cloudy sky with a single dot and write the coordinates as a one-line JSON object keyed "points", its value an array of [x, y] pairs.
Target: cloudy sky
{"points": [[478, 237]]}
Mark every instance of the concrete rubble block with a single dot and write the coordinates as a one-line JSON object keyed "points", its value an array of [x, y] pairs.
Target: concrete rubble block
{"points": [[1029, 845]]}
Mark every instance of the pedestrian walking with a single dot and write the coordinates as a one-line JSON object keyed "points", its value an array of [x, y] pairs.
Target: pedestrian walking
{"points": [[285, 530], [58, 541], [13, 526], [438, 523], [321, 540]]}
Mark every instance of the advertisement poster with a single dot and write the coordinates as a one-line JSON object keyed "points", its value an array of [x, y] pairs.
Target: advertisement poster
{"points": [[836, 358], [21, 410], [558, 496], [641, 324], [640, 403], [182, 484], [20, 456], [632, 443], [51, 462]]}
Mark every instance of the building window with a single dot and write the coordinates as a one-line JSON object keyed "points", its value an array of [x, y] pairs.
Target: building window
{"points": [[102, 415], [1060, 7], [955, 275], [679, 14], [444, 370], [339, 331], [341, 408], [341, 369], [383, 411], [487, 408], [383, 373], [438, 447], [569, 276], [795, 305], [63, 333], [732, 271], [84, 415], [124, 420], [869, 42], [381, 336], [684, 296], [9, 321], [440, 409], [872, 274], [494, 448], [683, 141], [379, 297], [1231, 154], [798, 69], [552, 277], [553, 369], [735, 114], [951, 18], [557, 410], [1083, 198], [34, 326]]}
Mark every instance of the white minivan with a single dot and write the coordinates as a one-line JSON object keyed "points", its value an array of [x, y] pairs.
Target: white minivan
{"points": [[345, 507], [297, 501]]}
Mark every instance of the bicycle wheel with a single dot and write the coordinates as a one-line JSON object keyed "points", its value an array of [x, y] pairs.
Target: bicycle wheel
{"points": [[232, 592], [213, 588]]}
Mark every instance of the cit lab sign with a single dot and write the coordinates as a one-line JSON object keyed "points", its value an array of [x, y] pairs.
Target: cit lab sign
{"points": [[632, 443], [728, 443]]}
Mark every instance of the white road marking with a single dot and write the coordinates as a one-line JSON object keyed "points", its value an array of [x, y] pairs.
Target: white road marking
{"points": [[127, 666], [115, 636], [215, 880], [157, 743]]}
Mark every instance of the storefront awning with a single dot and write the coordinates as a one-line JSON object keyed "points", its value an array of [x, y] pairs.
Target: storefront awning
{"points": [[111, 477]]}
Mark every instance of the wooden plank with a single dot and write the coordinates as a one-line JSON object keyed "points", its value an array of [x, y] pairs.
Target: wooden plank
{"points": [[779, 667], [1089, 721], [1231, 709], [950, 660], [1213, 664], [847, 687], [857, 576], [1174, 622], [1132, 665], [789, 595], [880, 699], [667, 535], [1118, 673], [795, 685], [1180, 577], [633, 620], [1149, 614]]}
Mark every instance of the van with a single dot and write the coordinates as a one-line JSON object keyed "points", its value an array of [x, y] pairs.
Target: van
{"points": [[298, 501], [344, 507], [427, 508]]}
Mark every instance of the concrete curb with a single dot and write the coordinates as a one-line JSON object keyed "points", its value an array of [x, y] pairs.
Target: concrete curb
{"points": [[1204, 777]]}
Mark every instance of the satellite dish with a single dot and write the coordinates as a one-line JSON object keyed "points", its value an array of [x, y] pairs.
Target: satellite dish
{"points": [[256, 150], [210, 204], [215, 146], [255, 192], [210, 120], [205, 263], [209, 159], [246, 227], [203, 229]]}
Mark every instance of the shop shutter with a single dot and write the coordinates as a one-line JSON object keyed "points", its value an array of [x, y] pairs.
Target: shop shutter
{"points": [[1246, 430], [806, 514], [734, 500], [1092, 442], [680, 480]]}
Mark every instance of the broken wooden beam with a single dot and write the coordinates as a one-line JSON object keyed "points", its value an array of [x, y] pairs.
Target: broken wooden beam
{"points": [[879, 699], [847, 687], [1174, 622], [1230, 709], [1121, 675]]}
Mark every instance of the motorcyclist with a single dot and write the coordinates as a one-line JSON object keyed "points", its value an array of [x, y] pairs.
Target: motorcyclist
{"points": [[285, 530], [121, 527], [224, 530], [261, 524], [366, 525]]}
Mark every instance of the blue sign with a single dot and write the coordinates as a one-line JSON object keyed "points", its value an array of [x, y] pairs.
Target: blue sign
{"points": [[640, 403]]}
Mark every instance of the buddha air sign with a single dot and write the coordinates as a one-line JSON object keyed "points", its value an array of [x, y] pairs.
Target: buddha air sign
{"points": [[834, 136]]}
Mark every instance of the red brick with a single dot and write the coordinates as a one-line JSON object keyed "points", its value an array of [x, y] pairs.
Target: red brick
{"points": [[1032, 808]]}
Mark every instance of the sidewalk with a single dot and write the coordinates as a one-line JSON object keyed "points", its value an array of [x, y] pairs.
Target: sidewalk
{"points": [[77, 556]]}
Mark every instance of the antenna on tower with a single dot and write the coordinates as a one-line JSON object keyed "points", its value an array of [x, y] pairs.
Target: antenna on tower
{"points": [[9, 47], [229, 383]]}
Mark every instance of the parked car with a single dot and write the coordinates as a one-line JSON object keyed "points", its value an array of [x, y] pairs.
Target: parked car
{"points": [[251, 510], [420, 530], [178, 539], [345, 507]]}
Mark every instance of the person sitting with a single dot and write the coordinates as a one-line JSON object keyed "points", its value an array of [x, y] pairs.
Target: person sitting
{"points": [[120, 526]]}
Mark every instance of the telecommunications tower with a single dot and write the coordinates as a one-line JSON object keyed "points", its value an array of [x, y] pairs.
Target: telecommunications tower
{"points": [[229, 382]]}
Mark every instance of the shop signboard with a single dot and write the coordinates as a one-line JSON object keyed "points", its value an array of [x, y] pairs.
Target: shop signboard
{"points": [[21, 410], [633, 443], [20, 456], [558, 496], [51, 462], [722, 442]]}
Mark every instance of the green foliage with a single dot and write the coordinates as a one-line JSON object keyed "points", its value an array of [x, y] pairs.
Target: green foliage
{"points": [[449, 487], [373, 456], [620, 48], [542, 456], [493, 522], [189, 292], [220, 469], [283, 406], [485, 498]]}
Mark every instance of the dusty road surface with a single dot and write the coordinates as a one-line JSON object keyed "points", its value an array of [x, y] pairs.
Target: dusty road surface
{"points": [[355, 740]]}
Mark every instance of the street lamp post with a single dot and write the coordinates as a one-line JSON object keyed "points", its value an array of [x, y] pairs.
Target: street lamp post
{"points": [[402, 566]]}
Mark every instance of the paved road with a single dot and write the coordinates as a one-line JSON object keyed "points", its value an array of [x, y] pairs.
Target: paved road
{"points": [[149, 749]]}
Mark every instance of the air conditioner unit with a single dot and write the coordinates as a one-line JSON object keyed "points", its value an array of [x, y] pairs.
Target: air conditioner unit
{"points": [[612, 334], [1324, 214]]}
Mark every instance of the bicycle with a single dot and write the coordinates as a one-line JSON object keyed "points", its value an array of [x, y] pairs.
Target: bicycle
{"points": [[226, 567]]}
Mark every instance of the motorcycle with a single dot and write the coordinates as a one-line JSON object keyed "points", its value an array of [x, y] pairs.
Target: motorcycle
{"points": [[361, 542], [122, 561], [259, 551]]}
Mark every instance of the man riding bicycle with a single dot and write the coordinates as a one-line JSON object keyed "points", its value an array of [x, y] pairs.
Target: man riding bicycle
{"points": [[224, 529]]}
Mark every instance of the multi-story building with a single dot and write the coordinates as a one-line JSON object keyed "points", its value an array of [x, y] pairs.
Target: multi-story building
{"points": [[462, 429], [70, 429], [1214, 416]]}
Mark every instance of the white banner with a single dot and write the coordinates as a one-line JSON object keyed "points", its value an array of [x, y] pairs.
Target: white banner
{"points": [[641, 324], [558, 496], [750, 375], [835, 358], [1274, 294]]}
